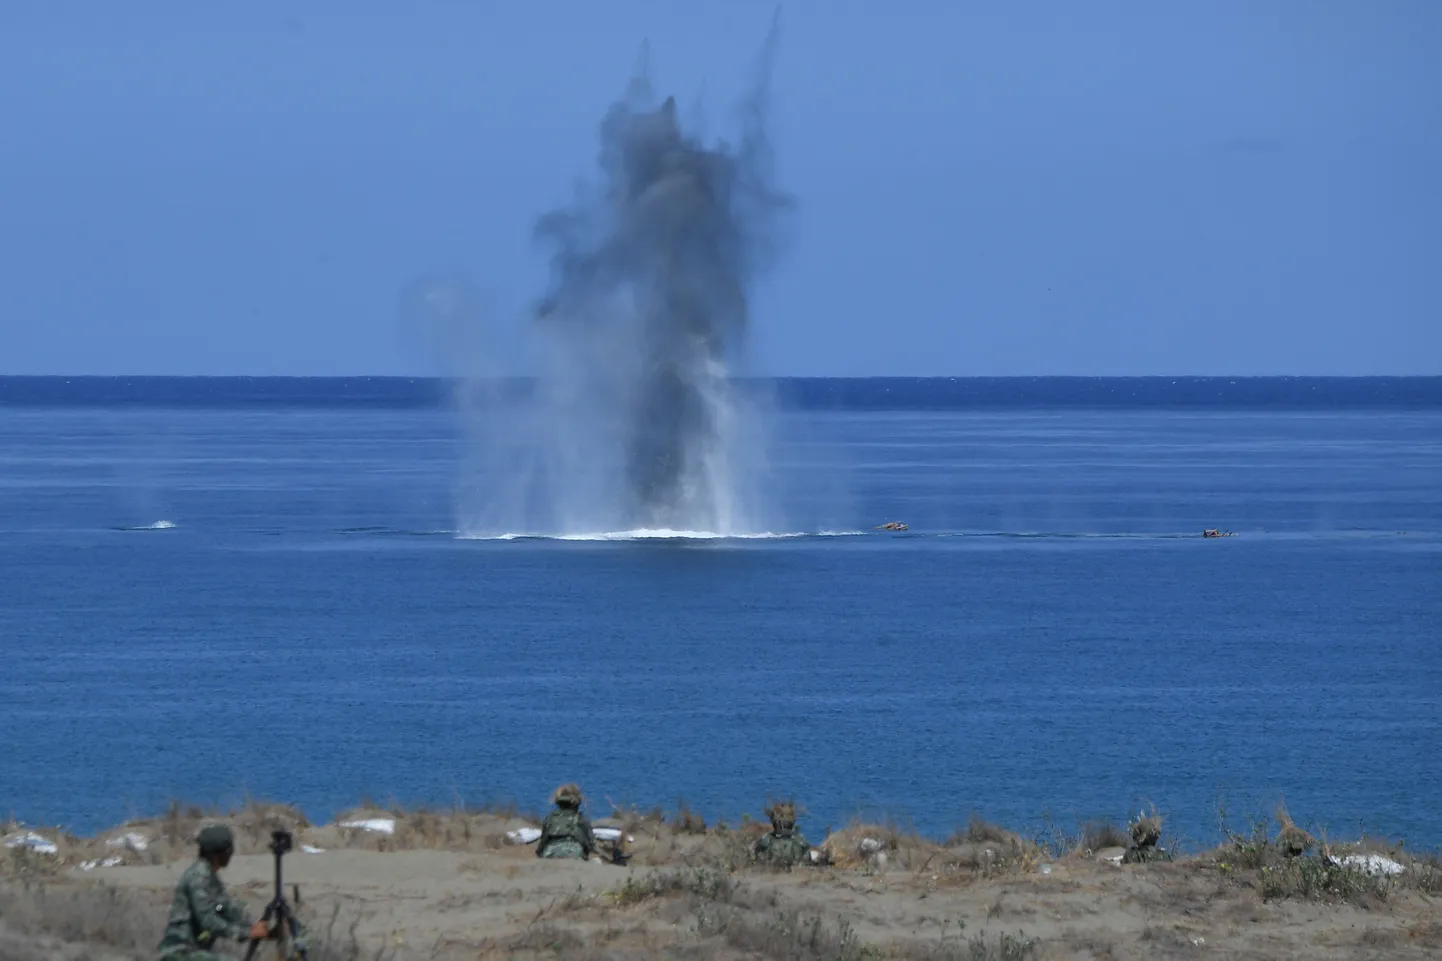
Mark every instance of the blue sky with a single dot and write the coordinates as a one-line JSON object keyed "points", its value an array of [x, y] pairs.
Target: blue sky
{"points": [[982, 189]]}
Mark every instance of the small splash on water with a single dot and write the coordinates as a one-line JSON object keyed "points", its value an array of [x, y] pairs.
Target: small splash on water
{"points": [[157, 526]]}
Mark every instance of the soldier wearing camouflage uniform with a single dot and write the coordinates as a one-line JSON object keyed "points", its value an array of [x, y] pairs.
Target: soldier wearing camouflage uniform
{"points": [[566, 833], [783, 845], [203, 915]]}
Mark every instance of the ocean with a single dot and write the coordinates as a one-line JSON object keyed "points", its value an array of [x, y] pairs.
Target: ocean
{"points": [[214, 589]]}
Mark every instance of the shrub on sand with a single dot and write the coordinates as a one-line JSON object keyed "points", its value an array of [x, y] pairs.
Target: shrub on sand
{"points": [[1292, 840], [688, 821], [1100, 835], [980, 831]]}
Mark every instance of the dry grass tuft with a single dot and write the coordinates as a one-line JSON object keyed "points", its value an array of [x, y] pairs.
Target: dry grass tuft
{"points": [[126, 922], [253, 823], [704, 883], [632, 815], [458, 828], [27, 866], [785, 935], [1100, 835], [1285, 869], [179, 825], [87, 922], [1292, 840], [863, 844], [983, 849], [1424, 875], [688, 821], [979, 831]]}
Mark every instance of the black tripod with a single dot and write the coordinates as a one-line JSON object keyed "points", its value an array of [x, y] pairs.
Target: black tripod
{"points": [[278, 914]]}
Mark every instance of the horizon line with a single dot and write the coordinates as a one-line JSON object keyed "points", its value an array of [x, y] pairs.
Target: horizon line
{"points": [[465, 377]]}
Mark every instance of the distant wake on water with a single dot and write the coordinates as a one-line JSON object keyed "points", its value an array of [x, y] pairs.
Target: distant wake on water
{"points": [[653, 534], [643, 535], [638, 534], [391, 531], [929, 535]]}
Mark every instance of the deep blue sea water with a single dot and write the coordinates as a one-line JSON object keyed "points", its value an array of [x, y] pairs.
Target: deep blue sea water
{"points": [[1052, 634]]}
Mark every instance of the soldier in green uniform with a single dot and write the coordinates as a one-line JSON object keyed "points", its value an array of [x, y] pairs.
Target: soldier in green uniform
{"points": [[783, 845], [566, 833], [203, 915]]}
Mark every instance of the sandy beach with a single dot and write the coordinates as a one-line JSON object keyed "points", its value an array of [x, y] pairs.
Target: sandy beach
{"points": [[443, 885]]}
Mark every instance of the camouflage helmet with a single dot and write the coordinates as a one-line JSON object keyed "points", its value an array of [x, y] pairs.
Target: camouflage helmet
{"points": [[567, 796], [782, 814], [215, 839]]}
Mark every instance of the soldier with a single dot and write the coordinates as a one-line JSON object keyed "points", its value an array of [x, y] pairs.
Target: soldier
{"points": [[783, 846], [203, 915], [566, 833]]}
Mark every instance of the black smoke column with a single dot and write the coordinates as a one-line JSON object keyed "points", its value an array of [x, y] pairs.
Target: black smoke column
{"points": [[651, 275]]}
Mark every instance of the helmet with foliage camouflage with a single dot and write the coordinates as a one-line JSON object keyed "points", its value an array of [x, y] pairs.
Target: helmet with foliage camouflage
{"points": [[567, 796], [782, 814]]}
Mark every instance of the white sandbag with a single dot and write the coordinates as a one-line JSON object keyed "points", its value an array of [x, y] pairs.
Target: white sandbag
{"points": [[532, 835], [131, 840], [33, 842], [1374, 864], [373, 825]]}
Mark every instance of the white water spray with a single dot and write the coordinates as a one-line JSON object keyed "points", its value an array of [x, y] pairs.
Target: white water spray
{"points": [[634, 424]]}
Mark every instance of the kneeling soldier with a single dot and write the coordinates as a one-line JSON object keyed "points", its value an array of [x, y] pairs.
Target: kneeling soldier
{"points": [[783, 845], [203, 915], [566, 833]]}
